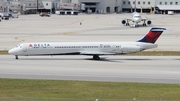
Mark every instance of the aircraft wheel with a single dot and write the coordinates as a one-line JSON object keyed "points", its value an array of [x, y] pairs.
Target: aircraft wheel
{"points": [[96, 57], [16, 57], [136, 25]]}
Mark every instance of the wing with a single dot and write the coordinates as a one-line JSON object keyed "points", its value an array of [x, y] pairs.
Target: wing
{"points": [[148, 21], [144, 19], [128, 20], [95, 53]]}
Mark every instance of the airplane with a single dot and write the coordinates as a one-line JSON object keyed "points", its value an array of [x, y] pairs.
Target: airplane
{"points": [[94, 49], [136, 19]]}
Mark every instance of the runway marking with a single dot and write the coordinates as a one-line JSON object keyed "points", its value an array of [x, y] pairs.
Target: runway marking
{"points": [[63, 33], [16, 38], [74, 22]]}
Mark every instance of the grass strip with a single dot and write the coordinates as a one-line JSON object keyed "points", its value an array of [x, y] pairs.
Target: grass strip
{"points": [[3, 52], [156, 53], [86, 91]]}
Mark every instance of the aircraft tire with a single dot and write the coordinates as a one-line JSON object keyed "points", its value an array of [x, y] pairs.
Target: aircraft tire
{"points": [[96, 57], [16, 57], [127, 24], [136, 25]]}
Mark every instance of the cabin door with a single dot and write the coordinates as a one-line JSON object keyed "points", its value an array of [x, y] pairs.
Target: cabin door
{"points": [[24, 48], [116, 48]]}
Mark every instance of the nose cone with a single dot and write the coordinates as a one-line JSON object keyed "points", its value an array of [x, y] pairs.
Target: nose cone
{"points": [[12, 52], [137, 19]]}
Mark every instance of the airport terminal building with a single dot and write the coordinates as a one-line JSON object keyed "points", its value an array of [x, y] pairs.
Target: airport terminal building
{"points": [[90, 6]]}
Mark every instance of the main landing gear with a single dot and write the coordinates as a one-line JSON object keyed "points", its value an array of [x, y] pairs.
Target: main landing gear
{"points": [[134, 25], [144, 23], [127, 24], [16, 57], [96, 57]]}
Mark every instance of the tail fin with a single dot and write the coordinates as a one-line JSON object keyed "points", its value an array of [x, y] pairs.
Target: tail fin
{"points": [[152, 35], [134, 5]]}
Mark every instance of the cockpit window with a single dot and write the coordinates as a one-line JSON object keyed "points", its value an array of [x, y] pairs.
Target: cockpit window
{"points": [[137, 17], [17, 45]]}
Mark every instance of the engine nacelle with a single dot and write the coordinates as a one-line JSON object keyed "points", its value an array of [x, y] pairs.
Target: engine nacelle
{"points": [[149, 22], [123, 21]]}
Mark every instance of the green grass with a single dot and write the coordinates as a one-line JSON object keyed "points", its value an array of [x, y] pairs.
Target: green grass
{"points": [[3, 52], [88, 91], [157, 53]]}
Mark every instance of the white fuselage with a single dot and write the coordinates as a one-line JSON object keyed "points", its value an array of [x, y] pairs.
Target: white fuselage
{"points": [[79, 48], [136, 17]]}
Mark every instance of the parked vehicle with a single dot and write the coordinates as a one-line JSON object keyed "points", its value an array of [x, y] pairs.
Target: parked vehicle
{"points": [[13, 15], [48, 14], [6, 16], [171, 12], [156, 12]]}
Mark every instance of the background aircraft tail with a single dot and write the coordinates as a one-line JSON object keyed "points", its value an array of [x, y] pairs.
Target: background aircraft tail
{"points": [[134, 5], [152, 35]]}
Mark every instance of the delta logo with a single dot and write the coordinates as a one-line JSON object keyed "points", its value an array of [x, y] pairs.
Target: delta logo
{"points": [[39, 45], [30, 45]]}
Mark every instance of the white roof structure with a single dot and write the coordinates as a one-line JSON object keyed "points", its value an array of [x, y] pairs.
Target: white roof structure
{"points": [[168, 7]]}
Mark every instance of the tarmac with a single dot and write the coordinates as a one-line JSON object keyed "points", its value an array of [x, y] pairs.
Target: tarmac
{"points": [[65, 28], [90, 28]]}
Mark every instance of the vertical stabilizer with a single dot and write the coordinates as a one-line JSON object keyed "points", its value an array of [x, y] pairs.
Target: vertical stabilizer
{"points": [[134, 5], [152, 35]]}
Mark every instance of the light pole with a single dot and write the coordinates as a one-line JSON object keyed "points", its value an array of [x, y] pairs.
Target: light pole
{"points": [[37, 7]]}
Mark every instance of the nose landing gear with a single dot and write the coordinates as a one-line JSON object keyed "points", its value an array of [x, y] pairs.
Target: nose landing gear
{"points": [[16, 57], [134, 25]]}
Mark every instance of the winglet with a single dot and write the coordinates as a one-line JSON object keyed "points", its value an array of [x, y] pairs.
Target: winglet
{"points": [[152, 35]]}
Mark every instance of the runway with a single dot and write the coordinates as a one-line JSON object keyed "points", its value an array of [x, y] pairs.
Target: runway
{"points": [[147, 69]]}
